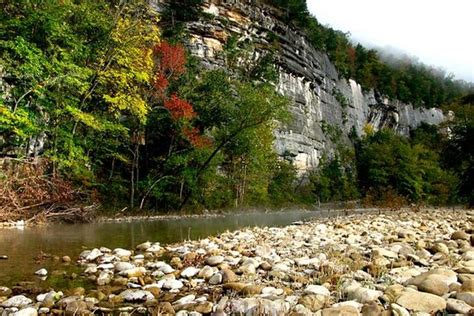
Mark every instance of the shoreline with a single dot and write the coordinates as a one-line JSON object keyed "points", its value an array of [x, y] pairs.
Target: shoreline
{"points": [[402, 262]]}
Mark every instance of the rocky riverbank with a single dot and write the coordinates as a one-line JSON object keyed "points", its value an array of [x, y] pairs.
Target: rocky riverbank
{"points": [[400, 263]]}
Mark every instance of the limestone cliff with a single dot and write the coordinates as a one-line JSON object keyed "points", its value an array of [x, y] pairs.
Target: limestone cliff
{"points": [[321, 101]]}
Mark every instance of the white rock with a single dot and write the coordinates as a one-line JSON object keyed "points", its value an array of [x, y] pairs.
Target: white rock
{"points": [[364, 295], [29, 311], [172, 284], [281, 267], [308, 261], [207, 272], [154, 248], [189, 272], [317, 290], [354, 304], [133, 272], [93, 254], [136, 295], [42, 272], [166, 269], [458, 306], [397, 310], [104, 278], [214, 260], [91, 269], [105, 266], [144, 246], [122, 253], [122, 266], [185, 300], [17, 301]]}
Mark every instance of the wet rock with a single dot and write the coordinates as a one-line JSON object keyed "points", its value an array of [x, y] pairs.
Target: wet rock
{"points": [[421, 302]]}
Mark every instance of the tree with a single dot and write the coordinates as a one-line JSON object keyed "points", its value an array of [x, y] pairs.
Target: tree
{"points": [[77, 75], [458, 153], [387, 161]]}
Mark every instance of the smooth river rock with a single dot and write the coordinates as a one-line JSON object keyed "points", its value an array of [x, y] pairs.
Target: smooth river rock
{"points": [[421, 302]]}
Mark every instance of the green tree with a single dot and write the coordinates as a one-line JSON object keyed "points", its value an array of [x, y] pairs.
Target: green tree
{"points": [[387, 161]]}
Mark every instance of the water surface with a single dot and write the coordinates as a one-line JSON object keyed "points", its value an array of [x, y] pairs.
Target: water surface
{"points": [[24, 247]]}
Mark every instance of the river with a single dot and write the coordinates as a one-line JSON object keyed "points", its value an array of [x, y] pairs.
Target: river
{"points": [[28, 249]]}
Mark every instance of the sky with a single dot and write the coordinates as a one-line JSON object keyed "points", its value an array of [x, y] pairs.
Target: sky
{"points": [[438, 32]]}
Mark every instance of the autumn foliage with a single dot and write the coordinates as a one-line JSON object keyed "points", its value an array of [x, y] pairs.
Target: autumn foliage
{"points": [[171, 64], [195, 137], [179, 109]]}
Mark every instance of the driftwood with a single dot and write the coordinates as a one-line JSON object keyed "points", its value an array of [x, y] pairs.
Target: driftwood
{"points": [[65, 214], [30, 192]]}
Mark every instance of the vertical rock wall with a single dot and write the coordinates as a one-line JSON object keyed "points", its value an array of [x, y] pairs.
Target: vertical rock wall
{"points": [[322, 103]]}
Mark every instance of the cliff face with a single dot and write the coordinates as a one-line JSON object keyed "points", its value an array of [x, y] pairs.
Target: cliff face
{"points": [[322, 103]]}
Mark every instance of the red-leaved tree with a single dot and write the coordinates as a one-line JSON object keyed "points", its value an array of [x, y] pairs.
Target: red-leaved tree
{"points": [[179, 109], [171, 64]]}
